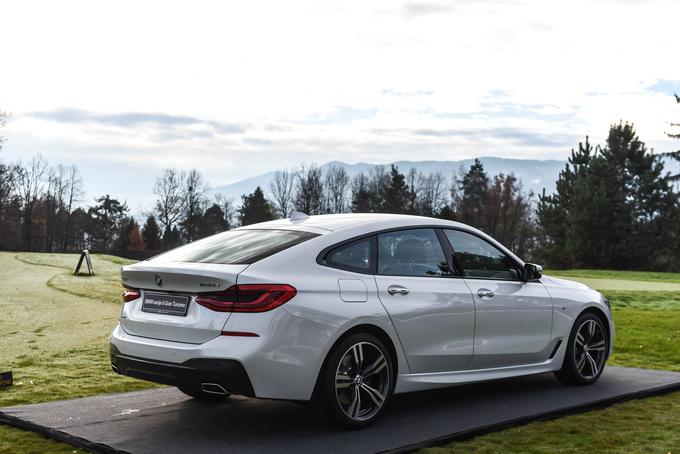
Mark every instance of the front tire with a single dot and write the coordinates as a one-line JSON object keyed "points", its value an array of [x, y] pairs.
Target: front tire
{"points": [[586, 352], [358, 380]]}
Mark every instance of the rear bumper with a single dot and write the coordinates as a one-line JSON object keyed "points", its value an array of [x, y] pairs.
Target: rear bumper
{"points": [[228, 373]]}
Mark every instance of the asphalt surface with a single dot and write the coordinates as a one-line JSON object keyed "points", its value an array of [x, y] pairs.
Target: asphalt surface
{"points": [[164, 420]]}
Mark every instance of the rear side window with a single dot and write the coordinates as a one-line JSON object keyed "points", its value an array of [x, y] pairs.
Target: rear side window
{"points": [[236, 247], [355, 256]]}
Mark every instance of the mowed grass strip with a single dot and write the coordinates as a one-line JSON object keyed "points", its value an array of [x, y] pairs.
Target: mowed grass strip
{"points": [[647, 329], [16, 441], [56, 327], [638, 426], [646, 276]]}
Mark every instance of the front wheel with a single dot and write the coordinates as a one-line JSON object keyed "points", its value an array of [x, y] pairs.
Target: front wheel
{"points": [[358, 380], [586, 352]]}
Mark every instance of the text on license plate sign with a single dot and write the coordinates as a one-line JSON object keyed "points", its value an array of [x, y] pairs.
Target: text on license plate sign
{"points": [[159, 303]]}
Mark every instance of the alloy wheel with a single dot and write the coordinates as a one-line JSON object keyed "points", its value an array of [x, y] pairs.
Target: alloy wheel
{"points": [[590, 345], [362, 381]]}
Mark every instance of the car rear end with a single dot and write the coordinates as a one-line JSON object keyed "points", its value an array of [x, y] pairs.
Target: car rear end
{"points": [[186, 320]]}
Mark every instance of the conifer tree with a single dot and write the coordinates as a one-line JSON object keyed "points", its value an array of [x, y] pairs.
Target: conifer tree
{"points": [[255, 208]]}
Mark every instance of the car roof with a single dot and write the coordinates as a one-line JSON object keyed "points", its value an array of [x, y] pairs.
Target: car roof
{"points": [[363, 223], [333, 222]]}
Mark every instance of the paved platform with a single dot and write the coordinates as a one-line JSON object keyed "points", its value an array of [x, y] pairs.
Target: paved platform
{"points": [[164, 420]]}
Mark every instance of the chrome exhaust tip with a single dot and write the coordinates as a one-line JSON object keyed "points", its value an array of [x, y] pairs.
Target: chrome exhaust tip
{"points": [[214, 388], [115, 369]]}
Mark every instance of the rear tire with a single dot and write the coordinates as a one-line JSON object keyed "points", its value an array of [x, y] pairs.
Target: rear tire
{"points": [[358, 380], [202, 395], [587, 351]]}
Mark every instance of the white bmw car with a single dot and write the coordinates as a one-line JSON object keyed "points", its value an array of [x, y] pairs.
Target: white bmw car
{"points": [[350, 309]]}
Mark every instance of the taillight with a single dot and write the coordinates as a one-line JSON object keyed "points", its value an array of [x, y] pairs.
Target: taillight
{"points": [[131, 294], [247, 298]]}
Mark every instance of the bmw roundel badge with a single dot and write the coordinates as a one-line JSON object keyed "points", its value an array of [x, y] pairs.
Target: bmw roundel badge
{"points": [[159, 281]]}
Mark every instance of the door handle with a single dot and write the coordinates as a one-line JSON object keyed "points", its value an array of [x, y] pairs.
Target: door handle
{"points": [[397, 289], [485, 293]]}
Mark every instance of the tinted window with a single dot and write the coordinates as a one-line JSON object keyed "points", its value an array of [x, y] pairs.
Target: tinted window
{"points": [[414, 252], [478, 258], [236, 246], [354, 256]]}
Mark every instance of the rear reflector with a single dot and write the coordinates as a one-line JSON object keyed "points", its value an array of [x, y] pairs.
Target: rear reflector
{"points": [[131, 294], [247, 298], [239, 334]]}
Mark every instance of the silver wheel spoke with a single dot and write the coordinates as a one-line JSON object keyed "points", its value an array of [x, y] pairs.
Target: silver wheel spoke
{"points": [[374, 394], [591, 328], [579, 340], [580, 363], [376, 367], [343, 381], [358, 351], [355, 406], [597, 346], [593, 364]]}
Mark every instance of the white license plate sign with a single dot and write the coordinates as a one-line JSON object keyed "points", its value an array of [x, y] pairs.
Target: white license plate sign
{"points": [[159, 303]]}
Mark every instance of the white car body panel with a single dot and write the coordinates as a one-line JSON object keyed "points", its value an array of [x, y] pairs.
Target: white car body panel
{"points": [[516, 333]]}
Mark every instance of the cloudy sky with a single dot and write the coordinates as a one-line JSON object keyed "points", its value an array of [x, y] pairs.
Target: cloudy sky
{"points": [[239, 88]]}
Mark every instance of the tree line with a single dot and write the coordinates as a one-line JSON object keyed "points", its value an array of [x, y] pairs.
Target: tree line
{"points": [[41, 209], [615, 206]]}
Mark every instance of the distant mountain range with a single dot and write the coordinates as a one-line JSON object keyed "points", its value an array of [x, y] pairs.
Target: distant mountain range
{"points": [[534, 174]]}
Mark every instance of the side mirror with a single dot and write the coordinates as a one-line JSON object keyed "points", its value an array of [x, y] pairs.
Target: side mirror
{"points": [[532, 272]]}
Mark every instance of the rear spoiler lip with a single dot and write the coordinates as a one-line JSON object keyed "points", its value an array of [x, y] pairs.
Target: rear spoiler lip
{"points": [[132, 277]]}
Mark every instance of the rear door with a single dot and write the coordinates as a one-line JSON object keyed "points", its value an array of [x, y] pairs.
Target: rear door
{"points": [[513, 318], [431, 309]]}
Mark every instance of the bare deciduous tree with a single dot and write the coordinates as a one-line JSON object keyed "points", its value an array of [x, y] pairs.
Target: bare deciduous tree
{"points": [[57, 185], [228, 208], [75, 192], [309, 192], [194, 199], [170, 202], [336, 187], [432, 193], [412, 185], [282, 188], [31, 186]]}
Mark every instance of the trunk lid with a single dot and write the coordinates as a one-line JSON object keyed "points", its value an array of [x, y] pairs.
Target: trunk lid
{"points": [[184, 281]]}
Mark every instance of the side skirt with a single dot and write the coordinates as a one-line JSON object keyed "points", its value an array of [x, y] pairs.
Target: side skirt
{"points": [[420, 382]]}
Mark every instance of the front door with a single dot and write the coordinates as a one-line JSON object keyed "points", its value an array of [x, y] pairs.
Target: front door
{"points": [[432, 310], [514, 318]]}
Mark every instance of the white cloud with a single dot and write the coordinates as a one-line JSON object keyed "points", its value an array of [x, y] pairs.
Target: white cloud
{"points": [[318, 80]]}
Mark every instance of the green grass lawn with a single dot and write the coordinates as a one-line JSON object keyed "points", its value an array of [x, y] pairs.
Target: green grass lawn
{"points": [[22, 441], [606, 280], [637, 426], [647, 276], [56, 329]]}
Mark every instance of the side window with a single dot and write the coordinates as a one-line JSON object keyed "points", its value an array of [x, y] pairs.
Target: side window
{"points": [[355, 256], [415, 252], [480, 259]]}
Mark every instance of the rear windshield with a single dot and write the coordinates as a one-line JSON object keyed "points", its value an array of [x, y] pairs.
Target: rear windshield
{"points": [[236, 247]]}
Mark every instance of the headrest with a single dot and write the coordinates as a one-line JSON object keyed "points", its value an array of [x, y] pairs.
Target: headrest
{"points": [[411, 250]]}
